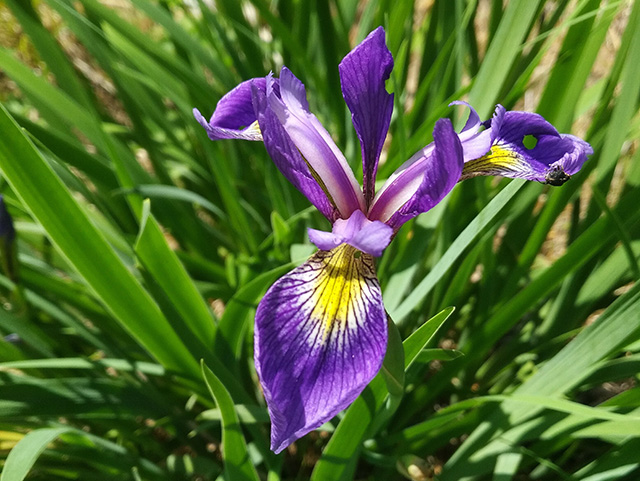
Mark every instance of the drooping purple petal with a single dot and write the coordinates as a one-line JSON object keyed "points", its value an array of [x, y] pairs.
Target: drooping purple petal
{"points": [[363, 73], [552, 160], [315, 144], [423, 181], [320, 337], [234, 116], [285, 154], [371, 237]]}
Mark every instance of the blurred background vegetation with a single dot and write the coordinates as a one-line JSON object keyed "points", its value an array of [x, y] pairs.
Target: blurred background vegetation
{"points": [[110, 301]]}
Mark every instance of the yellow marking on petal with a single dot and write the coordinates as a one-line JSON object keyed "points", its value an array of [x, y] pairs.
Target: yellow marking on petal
{"points": [[254, 128], [498, 159], [340, 285]]}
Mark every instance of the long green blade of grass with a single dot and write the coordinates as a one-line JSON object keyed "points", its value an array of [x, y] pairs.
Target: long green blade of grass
{"points": [[85, 248]]}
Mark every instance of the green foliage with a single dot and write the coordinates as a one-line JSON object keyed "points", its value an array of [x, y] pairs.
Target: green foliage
{"points": [[143, 248]]}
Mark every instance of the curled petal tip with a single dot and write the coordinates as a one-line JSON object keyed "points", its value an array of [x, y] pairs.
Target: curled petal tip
{"points": [[234, 116]]}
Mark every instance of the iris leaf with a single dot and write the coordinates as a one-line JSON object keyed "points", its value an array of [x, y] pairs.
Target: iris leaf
{"points": [[238, 464]]}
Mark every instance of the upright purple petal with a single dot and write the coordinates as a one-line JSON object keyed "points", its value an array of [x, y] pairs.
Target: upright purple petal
{"points": [[285, 154], [234, 116], [371, 237], [320, 337], [423, 181], [549, 157], [316, 145], [363, 73]]}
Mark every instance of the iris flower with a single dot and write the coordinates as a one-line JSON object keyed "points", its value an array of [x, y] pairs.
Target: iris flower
{"points": [[321, 330]]}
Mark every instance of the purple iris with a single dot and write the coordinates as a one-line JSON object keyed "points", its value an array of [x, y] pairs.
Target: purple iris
{"points": [[321, 330]]}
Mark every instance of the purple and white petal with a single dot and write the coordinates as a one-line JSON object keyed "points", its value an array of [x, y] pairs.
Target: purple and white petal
{"points": [[315, 144], [552, 160], [320, 337], [371, 237], [234, 116], [363, 73], [423, 181], [477, 137], [285, 154]]}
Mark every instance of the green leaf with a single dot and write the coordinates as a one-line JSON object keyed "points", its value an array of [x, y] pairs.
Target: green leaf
{"points": [[85, 248], [456, 249], [501, 54], [237, 463], [393, 365], [167, 270], [506, 466], [23, 456], [417, 341], [564, 371]]}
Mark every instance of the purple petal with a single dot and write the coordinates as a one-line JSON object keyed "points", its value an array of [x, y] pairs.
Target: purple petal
{"points": [[477, 137], [371, 237], [320, 337], [473, 122], [363, 73], [423, 181], [315, 144], [285, 154], [552, 160], [234, 117]]}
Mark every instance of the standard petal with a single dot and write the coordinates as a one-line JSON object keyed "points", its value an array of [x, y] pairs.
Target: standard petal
{"points": [[549, 156], [234, 117], [315, 144], [320, 337], [423, 181], [363, 73], [286, 156], [371, 237]]}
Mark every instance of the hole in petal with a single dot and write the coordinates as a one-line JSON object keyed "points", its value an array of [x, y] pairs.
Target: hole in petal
{"points": [[357, 254], [530, 142]]}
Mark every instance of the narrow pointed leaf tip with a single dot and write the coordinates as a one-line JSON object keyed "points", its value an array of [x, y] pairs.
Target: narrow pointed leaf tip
{"points": [[320, 337]]}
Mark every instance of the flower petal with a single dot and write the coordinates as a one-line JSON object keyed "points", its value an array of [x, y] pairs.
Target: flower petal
{"points": [[367, 236], [363, 73], [321, 336], [477, 137], [285, 154], [315, 144], [234, 116], [552, 160], [423, 181]]}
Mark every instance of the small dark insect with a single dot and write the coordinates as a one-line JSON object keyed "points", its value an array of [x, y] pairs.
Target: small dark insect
{"points": [[556, 177]]}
